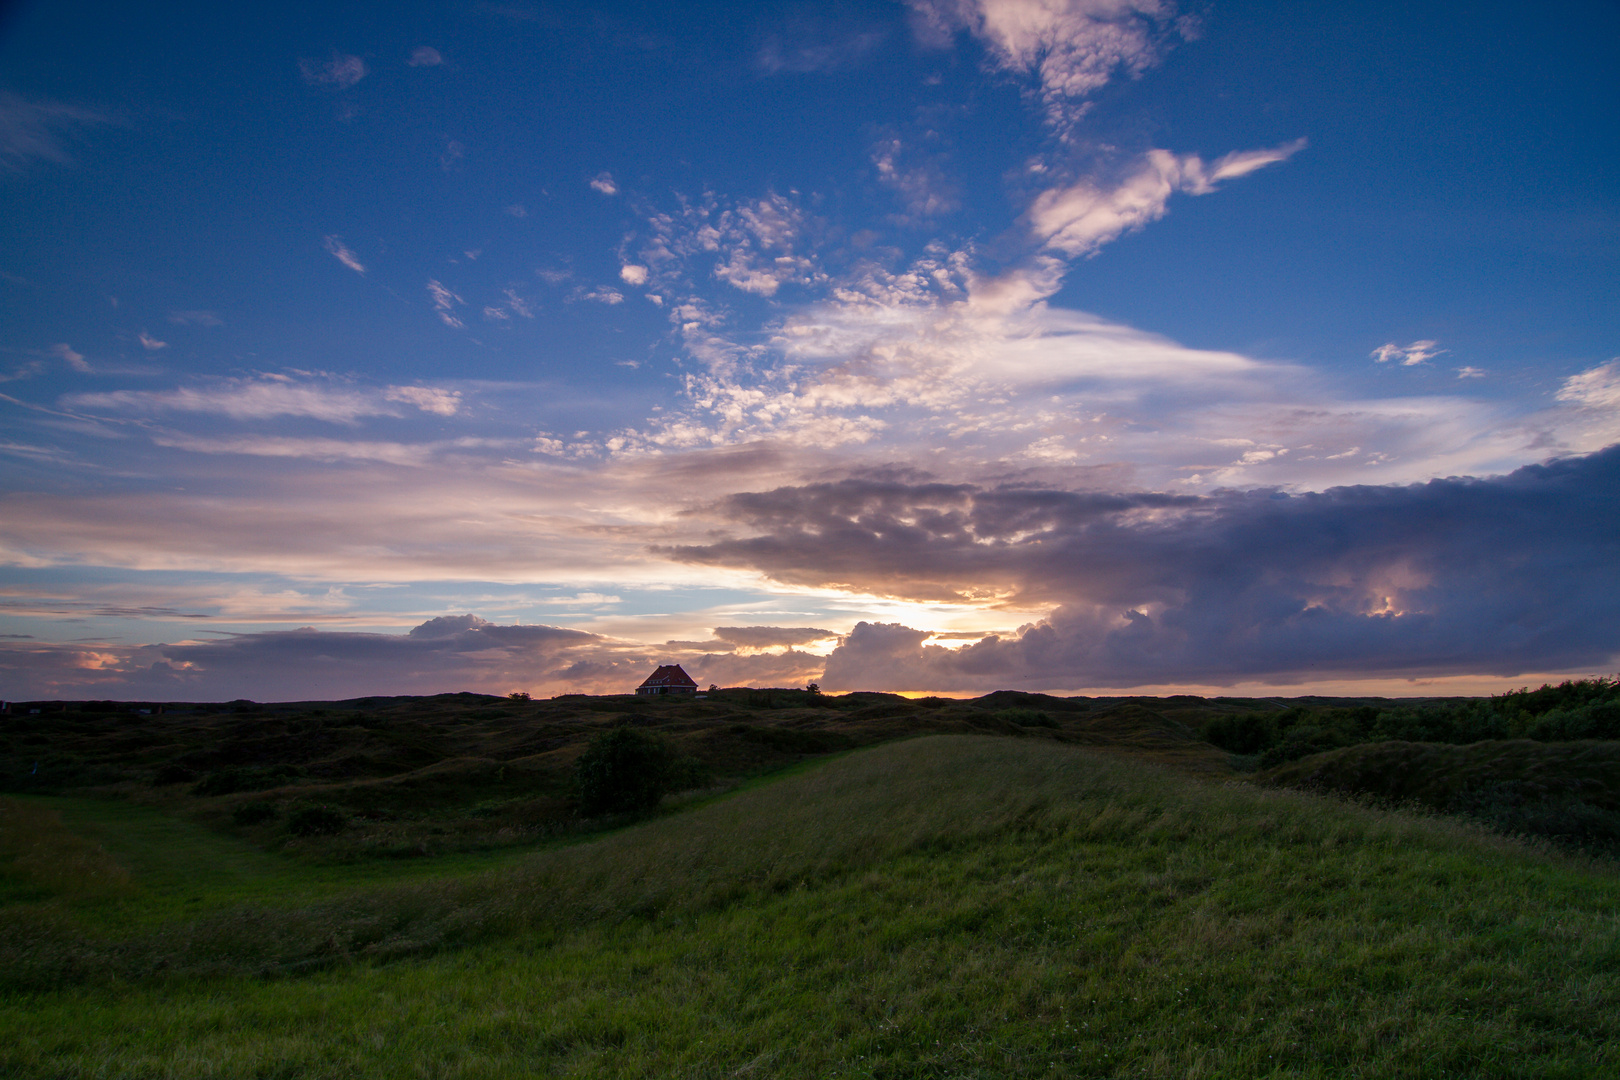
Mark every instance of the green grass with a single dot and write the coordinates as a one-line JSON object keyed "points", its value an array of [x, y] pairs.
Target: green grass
{"points": [[952, 906]]}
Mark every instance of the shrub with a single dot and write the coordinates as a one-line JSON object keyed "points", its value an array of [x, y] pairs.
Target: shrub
{"points": [[625, 770], [173, 773], [1026, 717], [315, 821], [253, 813], [1247, 733], [231, 780]]}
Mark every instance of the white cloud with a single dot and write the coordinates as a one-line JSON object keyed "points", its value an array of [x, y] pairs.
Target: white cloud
{"points": [[924, 191], [428, 399], [33, 130], [341, 71], [1415, 353], [260, 398], [602, 294], [1597, 388], [1072, 47], [444, 303], [518, 305], [340, 251], [309, 449], [1081, 218], [1470, 373], [603, 182], [517, 210], [150, 343], [425, 56], [195, 318], [633, 274], [74, 360]]}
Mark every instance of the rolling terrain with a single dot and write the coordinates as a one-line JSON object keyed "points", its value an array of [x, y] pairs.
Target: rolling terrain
{"points": [[858, 886]]}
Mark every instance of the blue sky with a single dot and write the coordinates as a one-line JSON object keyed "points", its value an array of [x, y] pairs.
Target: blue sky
{"points": [[1073, 345]]}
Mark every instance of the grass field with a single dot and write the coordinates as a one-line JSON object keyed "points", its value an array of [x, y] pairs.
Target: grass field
{"points": [[952, 906]]}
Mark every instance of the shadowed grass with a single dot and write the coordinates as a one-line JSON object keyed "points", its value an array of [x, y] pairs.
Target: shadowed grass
{"points": [[940, 907]]}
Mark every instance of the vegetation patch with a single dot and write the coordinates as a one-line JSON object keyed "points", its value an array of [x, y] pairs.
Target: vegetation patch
{"points": [[1565, 791], [956, 906]]}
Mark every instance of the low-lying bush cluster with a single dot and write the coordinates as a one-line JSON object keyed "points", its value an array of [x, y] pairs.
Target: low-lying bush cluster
{"points": [[1574, 709]]}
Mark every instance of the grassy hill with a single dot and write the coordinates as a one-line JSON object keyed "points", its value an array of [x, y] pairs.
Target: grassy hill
{"points": [[1093, 897]]}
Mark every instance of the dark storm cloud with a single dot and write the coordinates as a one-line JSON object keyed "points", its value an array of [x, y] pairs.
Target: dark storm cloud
{"points": [[923, 541], [1496, 576]]}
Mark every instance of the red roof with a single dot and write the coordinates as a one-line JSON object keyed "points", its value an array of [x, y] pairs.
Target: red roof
{"points": [[669, 675]]}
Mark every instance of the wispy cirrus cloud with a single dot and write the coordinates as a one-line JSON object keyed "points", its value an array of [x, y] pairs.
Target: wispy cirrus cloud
{"points": [[817, 40], [425, 56], [195, 318], [445, 303], [924, 190], [1417, 352], [265, 397], [1080, 218], [429, 399], [73, 359], [341, 252], [38, 129], [341, 71]]}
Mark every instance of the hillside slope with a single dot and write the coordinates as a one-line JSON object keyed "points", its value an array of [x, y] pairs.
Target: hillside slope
{"points": [[962, 906]]}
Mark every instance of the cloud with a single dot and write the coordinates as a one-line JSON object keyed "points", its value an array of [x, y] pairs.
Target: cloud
{"points": [[443, 654], [518, 304], [425, 56], [602, 294], [1494, 576], [35, 130], [74, 360], [266, 397], [444, 304], [428, 399], [195, 318], [305, 448], [340, 251], [150, 343], [517, 210], [1415, 353], [1073, 47], [924, 191], [1080, 218], [1596, 388], [817, 41], [341, 71], [603, 182], [633, 274], [767, 637]]}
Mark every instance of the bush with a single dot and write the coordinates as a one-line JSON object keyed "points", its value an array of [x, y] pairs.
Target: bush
{"points": [[253, 813], [173, 773], [315, 821], [1026, 717], [231, 780], [625, 770], [1248, 733]]}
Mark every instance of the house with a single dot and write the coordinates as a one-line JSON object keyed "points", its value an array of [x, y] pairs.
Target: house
{"points": [[668, 679]]}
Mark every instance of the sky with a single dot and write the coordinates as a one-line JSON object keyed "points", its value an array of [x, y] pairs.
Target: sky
{"points": [[938, 346]]}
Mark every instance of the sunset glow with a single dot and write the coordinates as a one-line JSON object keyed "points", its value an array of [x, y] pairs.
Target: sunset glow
{"points": [[934, 347]]}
